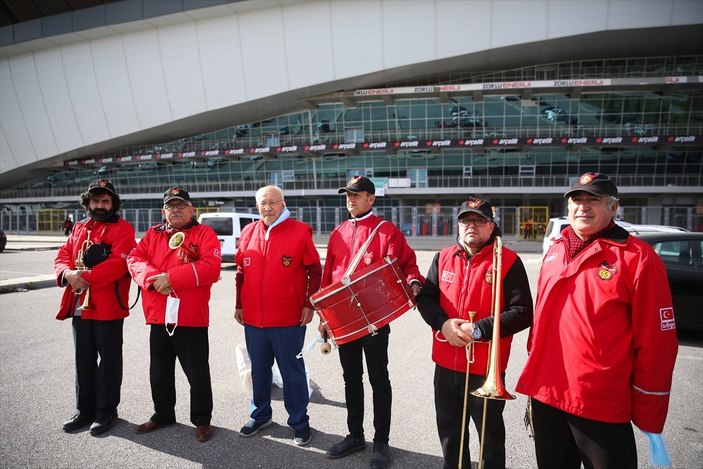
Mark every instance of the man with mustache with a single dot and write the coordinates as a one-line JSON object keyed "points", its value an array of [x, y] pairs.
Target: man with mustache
{"points": [[92, 263], [603, 341], [176, 263]]}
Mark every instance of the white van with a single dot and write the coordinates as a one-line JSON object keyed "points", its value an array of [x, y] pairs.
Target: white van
{"points": [[228, 226], [556, 225]]}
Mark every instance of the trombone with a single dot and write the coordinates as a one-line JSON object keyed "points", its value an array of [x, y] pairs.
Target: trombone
{"points": [[493, 387], [80, 265]]}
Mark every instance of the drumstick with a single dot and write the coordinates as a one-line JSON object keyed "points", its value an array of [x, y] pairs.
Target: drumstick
{"points": [[325, 348]]}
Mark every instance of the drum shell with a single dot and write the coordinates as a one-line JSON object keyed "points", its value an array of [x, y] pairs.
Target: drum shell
{"points": [[374, 295]]}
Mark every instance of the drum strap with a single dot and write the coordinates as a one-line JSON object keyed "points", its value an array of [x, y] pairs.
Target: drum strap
{"points": [[357, 258], [352, 266]]}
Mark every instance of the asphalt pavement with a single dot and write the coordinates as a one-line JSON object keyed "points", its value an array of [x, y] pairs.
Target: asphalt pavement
{"points": [[37, 392]]}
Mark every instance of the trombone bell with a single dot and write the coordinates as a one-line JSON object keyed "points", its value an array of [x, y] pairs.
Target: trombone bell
{"points": [[493, 387]]}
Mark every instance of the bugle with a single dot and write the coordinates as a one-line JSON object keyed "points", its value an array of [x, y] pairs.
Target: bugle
{"points": [[80, 265], [493, 387], [177, 241]]}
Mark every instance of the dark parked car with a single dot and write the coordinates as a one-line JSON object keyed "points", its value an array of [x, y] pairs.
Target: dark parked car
{"points": [[682, 254], [3, 240]]}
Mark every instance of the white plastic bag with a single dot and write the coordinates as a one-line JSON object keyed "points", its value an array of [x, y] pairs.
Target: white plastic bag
{"points": [[244, 366]]}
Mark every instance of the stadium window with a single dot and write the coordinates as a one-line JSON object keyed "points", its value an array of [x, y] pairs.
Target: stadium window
{"points": [[354, 135], [527, 170], [468, 172]]}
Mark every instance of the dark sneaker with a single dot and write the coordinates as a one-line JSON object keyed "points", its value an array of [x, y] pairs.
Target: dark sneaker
{"points": [[302, 437], [252, 427], [349, 445], [381, 457]]}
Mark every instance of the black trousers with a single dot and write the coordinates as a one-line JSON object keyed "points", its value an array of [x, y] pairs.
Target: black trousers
{"points": [[98, 349], [190, 345], [564, 441], [449, 404], [375, 348]]}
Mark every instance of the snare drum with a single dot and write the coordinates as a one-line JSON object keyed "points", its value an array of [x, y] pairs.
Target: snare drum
{"points": [[365, 301]]}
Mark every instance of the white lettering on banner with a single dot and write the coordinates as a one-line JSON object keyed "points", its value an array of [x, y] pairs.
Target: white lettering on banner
{"points": [[610, 140], [542, 141], [188, 154], [424, 89], [576, 140], [318, 147], [290, 148], [378, 145], [107, 160], [73, 163], [409, 144], [166, 156], [648, 139], [237, 151], [505, 141], [90, 161], [441, 143], [686, 139], [347, 146], [212, 152], [473, 142], [262, 150], [145, 157]]}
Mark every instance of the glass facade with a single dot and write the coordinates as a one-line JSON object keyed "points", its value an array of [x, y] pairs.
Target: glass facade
{"points": [[513, 144]]}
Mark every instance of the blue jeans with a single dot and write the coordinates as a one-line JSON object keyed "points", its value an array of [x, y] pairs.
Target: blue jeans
{"points": [[283, 344]]}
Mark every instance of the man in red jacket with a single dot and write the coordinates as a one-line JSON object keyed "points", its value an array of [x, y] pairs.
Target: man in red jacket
{"points": [[603, 341], [460, 280], [93, 263], [344, 242], [278, 268], [176, 264]]}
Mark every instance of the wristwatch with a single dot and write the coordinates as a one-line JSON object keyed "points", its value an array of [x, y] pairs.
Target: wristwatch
{"points": [[476, 334]]}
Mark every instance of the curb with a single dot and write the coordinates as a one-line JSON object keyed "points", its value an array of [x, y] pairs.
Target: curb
{"points": [[26, 283]]}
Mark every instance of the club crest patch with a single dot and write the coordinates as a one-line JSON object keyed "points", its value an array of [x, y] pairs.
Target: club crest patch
{"points": [[666, 318], [447, 276], [286, 261], [606, 271], [489, 276], [247, 261], [368, 256], [587, 178]]}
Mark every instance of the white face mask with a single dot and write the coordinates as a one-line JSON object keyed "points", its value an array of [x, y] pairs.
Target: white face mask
{"points": [[172, 304]]}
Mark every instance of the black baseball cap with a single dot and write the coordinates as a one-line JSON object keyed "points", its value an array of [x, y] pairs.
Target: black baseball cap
{"points": [[176, 193], [102, 184], [594, 183], [359, 184], [480, 206]]}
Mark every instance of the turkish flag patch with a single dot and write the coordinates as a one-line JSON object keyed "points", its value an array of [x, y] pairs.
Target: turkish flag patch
{"points": [[447, 276], [666, 317]]}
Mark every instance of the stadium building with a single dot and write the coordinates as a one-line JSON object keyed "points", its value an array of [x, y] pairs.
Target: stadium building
{"points": [[435, 100]]}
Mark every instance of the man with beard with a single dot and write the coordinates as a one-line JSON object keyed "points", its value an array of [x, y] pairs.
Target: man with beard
{"points": [[93, 263], [176, 263]]}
